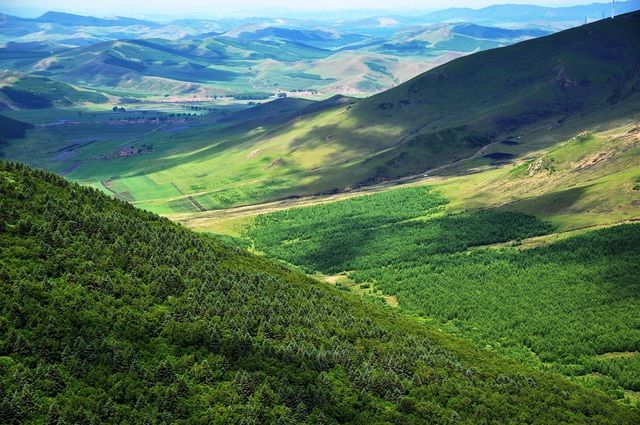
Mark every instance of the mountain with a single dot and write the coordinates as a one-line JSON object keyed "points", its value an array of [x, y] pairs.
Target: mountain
{"points": [[438, 39], [38, 92], [112, 62], [535, 93], [480, 31], [111, 314], [14, 26], [69, 19], [320, 38], [454, 117], [536, 85], [530, 13], [535, 90]]}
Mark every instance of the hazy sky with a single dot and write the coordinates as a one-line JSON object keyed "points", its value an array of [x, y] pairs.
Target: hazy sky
{"points": [[209, 8]]}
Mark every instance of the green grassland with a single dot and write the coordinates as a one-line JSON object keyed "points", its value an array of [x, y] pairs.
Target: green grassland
{"points": [[195, 157], [37, 92], [587, 180], [111, 314], [221, 164], [549, 90]]}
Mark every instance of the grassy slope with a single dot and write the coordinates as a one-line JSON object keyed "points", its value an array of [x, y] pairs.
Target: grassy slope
{"points": [[95, 328], [548, 90], [588, 180], [522, 90], [538, 92], [37, 92]]}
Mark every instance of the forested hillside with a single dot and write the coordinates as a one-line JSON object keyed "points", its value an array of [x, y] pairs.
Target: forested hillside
{"points": [[110, 314], [570, 305]]}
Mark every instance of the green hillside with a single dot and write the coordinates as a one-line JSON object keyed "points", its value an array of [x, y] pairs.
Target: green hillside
{"points": [[535, 91], [538, 86], [39, 92], [480, 110], [114, 315], [569, 305], [13, 129], [521, 258]]}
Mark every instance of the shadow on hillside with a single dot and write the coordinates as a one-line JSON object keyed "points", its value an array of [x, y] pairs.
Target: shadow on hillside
{"points": [[354, 242], [549, 204]]}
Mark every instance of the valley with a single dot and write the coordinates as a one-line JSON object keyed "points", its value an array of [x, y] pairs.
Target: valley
{"points": [[296, 147], [586, 195], [412, 219]]}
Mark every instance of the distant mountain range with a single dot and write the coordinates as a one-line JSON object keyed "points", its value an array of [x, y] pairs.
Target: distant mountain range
{"points": [[259, 57], [70, 19], [531, 13]]}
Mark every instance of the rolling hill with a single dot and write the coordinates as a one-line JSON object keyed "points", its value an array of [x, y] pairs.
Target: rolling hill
{"points": [[554, 234], [535, 86], [542, 92], [531, 13], [319, 38], [437, 39], [454, 117], [39, 92], [237, 56], [112, 314], [70, 19]]}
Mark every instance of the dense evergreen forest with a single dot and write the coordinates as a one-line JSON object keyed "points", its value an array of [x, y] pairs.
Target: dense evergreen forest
{"points": [[110, 314], [571, 305]]}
